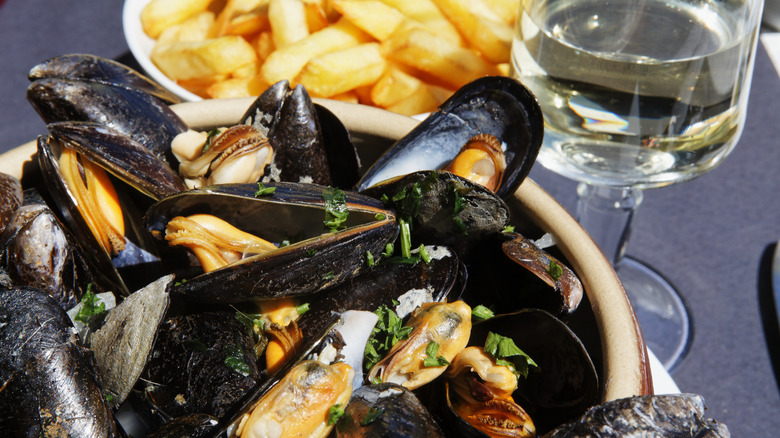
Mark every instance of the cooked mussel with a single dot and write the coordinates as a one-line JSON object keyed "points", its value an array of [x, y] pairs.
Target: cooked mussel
{"points": [[315, 258], [96, 68], [50, 386], [11, 198], [500, 107]]}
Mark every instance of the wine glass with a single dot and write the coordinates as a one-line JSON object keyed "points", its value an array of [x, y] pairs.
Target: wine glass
{"points": [[637, 94]]}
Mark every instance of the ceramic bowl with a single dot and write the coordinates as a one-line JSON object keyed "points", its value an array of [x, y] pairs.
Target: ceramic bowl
{"points": [[614, 337]]}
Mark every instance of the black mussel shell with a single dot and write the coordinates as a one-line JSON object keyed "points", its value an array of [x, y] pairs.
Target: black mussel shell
{"points": [[132, 112], [565, 384], [96, 68], [495, 105], [386, 283], [386, 410], [677, 415], [189, 370], [11, 198], [50, 383], [443, 208], [120, 155], [294, 212], [310, 143], [37, 251], [186, 426]]}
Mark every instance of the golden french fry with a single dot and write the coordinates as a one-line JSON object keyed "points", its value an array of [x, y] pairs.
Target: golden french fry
{"points": [[344, 70], [506, 9], [428, 14], [373, 16], [264, 45], [316, 18], [237, 87], [242, 17], [185, 60], [452, 65], [201, 85], [481, 27], [422, 100], [350, 96], [161, 14], [394, 86], [195, 28], [287, 62], [288, 21]]}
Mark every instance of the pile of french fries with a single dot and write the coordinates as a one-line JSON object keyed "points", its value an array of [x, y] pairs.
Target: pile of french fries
{"points": [[406, 56]]}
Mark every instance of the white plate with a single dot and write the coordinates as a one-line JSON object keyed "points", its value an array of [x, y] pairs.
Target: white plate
{"points": [[141, 47]]}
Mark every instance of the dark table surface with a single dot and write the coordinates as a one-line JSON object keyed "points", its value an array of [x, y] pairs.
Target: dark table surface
{"points": [[712, 237]]}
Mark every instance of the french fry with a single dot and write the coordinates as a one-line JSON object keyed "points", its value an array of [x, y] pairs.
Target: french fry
{"points": [[373, 16], [195, 28], [454, 66], [316, 18], [430, 16], [506, 9], [482, 28], [264, 45], [422, 100], [287, 62], [236, 87], [288, 21], [161, 14], [350, 96], [242, 17], [186, 60], [394, 86], [344, 70], [200, 85]]}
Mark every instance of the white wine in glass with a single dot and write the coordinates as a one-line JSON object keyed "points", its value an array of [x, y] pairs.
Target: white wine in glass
{"points": [[637, 94]]}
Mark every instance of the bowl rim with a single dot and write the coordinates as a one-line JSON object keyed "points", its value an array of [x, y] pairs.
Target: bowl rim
{"points": [[626, 365]]}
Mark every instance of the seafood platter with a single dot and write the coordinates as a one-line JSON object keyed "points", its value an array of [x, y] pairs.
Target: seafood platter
{"points": [[283, 266]]}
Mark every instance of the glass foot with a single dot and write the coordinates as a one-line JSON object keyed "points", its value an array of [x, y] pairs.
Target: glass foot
{"points": [[662, 314]]}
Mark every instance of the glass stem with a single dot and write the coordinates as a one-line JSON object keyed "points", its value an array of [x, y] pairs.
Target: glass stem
{"points": [[607, 213]]}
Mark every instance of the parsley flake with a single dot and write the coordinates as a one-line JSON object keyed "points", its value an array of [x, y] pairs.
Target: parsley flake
{"points": [[507, 353], [388, 330], [335, 209], [481, 313], [432, 350], [371, 416], [555, 270], [91, 305], [262, 190], [234, 359], [335, 413]]}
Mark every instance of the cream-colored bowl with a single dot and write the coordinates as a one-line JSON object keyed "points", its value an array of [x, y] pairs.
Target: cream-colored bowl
{"points": [[625, 369]]}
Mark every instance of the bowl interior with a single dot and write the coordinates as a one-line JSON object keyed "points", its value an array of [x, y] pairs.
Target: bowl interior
{"points": [[605, 320]]}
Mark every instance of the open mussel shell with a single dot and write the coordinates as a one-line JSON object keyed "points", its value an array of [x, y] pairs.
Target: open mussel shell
{"points": [[310, 143], [294, 212], [132, 112], [120, 155], [135, 257], [495, 105], [96, 68], [565, 384], [11, 198]]}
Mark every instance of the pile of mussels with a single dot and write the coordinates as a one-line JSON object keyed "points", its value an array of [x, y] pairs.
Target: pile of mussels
{"points": [[254, 281]]}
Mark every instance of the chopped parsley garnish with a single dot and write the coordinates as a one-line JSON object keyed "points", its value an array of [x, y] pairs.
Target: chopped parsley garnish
{"points": [[481, 313], [389, 250], [91, 305], [555, 270], [254, 322], [335, 413], [209, 137], [262, 190], [234, 360], [303, 308], [311, 252], [369, 258], [335, 209], [433, 360], [389, 329], [507, 353], [458, 204], [328, 275], [424, 254], [371, 416], [508, 229], [406, 239], [380, 216]]}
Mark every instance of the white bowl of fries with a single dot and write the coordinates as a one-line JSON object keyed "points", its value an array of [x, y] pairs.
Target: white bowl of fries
{"points": [[406, 56]]}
